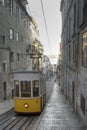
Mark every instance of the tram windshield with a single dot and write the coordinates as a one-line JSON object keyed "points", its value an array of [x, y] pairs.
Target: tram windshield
{"points": [[16, 87], [35, 84], [25, 88]]}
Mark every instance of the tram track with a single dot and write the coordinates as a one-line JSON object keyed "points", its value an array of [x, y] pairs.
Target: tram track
{"points": [[6, 114], [12, 121]]}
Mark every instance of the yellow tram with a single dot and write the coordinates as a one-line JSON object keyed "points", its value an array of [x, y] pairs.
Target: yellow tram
{"points": [[29, 91]]}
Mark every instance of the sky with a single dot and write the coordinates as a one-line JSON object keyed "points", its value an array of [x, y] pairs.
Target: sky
{"points": [[51, 38]]}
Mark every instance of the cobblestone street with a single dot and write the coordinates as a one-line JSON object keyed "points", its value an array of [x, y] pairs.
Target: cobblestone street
{"points": [[58, 114]]}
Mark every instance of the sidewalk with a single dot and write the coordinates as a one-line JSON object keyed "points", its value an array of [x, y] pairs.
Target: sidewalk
{"points": [[58, 114], [6, 106]]}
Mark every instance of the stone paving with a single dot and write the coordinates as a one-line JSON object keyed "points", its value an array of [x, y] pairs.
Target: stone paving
{"points": [[6, 106], [58, 114]]}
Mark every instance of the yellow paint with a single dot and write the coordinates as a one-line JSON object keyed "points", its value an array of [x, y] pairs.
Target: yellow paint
{"points": [[34, 105]]}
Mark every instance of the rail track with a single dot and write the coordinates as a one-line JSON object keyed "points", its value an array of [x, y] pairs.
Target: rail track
{"points": [[12, 121]]}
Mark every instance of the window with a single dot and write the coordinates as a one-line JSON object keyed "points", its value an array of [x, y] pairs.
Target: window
{"points": [[17, 12], [84, 50], [22, 39], [25, 88], [69, 52], [16, 88], [35, 88], [4, 66], [83, 104], [3, 2], [74, 52], [21, 55], [85, 11], [22, 14], [18, 57], [33, 49], [11, 34], [74, 25], [69, 28], [4, 90], [12, 56], [11, 6], [27, 24], [17, 36], [3, 39], [24, 22]]}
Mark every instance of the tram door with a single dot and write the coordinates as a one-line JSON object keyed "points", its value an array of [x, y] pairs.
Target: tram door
{"points": [[4, 88]]}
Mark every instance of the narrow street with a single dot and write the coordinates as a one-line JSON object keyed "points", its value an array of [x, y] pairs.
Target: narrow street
{"points": [[58, 114]]}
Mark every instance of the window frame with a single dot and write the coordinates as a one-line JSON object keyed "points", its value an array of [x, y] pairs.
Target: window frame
{"points": [[17, 12], [17, 36], [11, 56], [18, 57], [82, 105], [3, 2], [11, 34], [33, 86], [4, 66], [28, 87], [17, 90], [3, 39], [11, 7]]}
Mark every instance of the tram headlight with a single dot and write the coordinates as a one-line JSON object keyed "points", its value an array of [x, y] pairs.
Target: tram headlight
{"points": [[26, 105]]}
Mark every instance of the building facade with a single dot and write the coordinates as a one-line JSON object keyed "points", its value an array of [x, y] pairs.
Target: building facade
{"points": [[47, 67], [74, 54], [15, 38], [59, 68], [35, 52]]}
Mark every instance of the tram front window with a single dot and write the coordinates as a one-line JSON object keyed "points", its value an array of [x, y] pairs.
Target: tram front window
{"points": [[16, 88], [35, 88], [25, 88]]}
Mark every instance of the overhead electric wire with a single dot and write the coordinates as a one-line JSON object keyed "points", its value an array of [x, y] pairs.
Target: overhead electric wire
{"points": [[46, 26]]}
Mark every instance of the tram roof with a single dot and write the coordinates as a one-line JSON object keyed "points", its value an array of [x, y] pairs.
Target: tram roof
{"points": [[27, 71], [27, 75]]}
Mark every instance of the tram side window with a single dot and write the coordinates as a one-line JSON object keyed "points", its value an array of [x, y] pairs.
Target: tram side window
{"points": [[35, 88], [16, 88], [25, 88]]}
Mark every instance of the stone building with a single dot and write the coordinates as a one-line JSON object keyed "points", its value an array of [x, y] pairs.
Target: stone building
{"points": [[74, 52], [59, 68], [15, 37], [35, 51], [47, 67]]}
